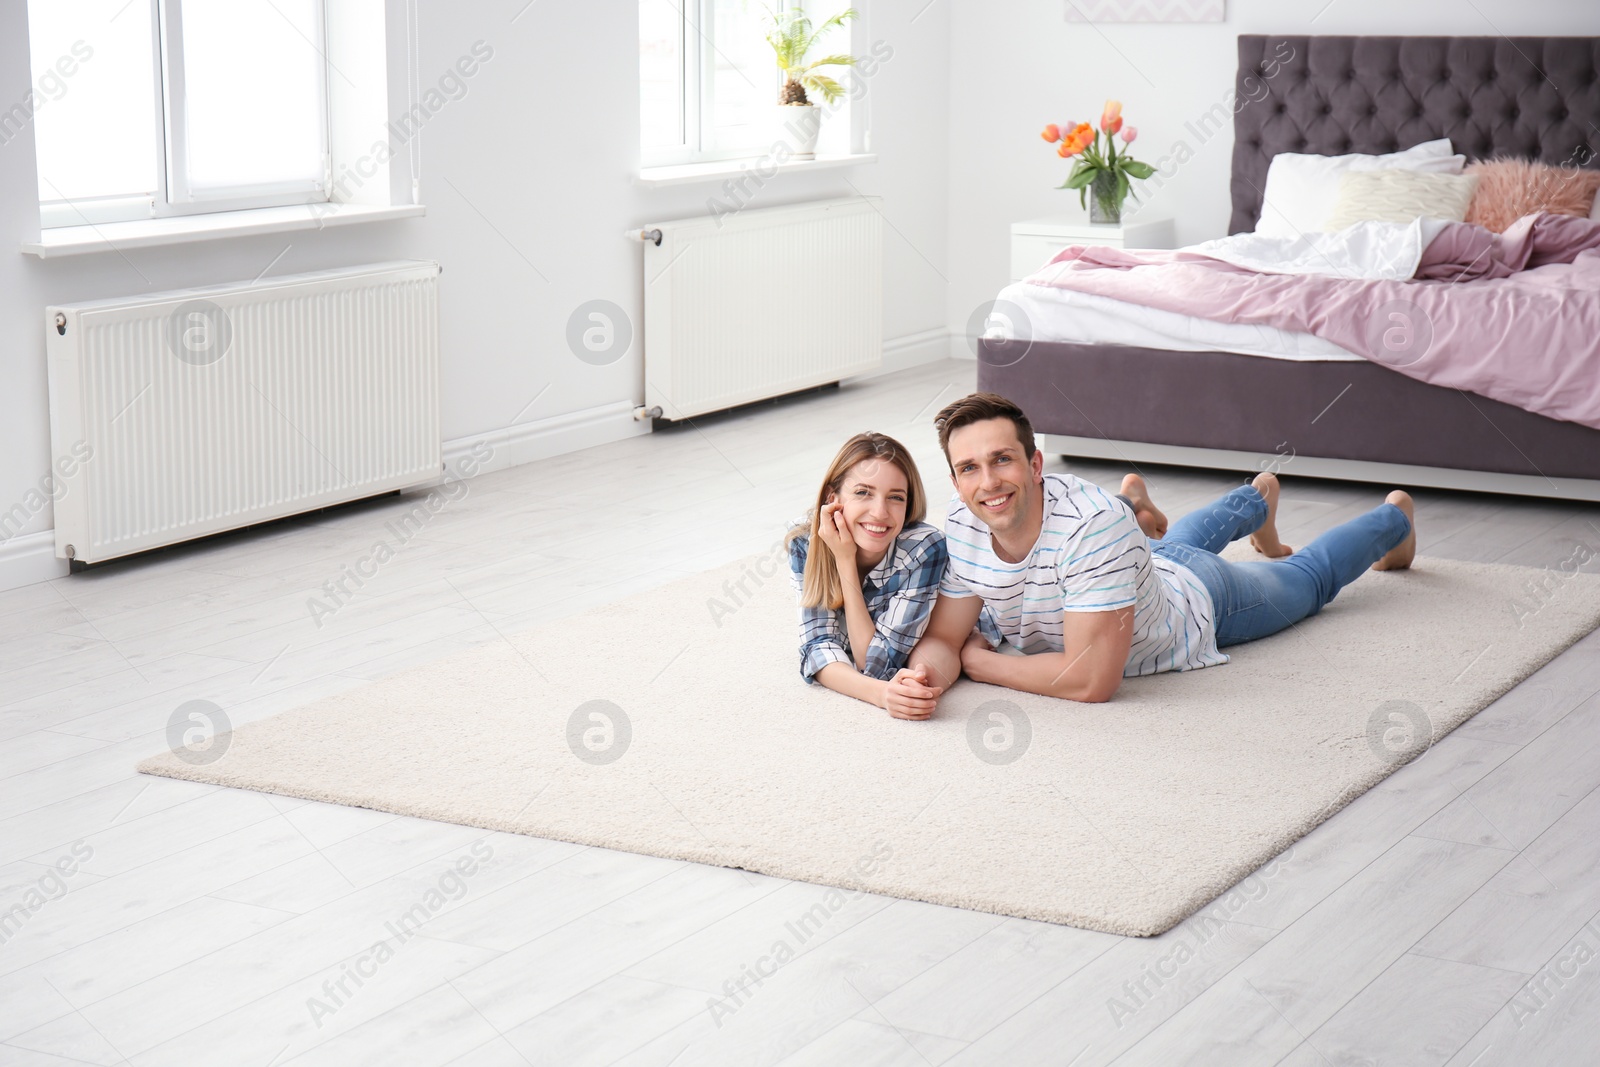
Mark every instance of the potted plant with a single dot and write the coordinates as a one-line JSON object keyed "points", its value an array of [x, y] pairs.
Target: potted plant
{"points": [[1101, 173], [792, 35]]}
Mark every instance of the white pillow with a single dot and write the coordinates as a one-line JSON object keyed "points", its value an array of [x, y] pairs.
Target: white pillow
{"points": [[1302, 189]]}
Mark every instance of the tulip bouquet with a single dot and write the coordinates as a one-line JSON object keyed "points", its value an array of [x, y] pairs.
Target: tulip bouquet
{"points": [[1100, 170]]}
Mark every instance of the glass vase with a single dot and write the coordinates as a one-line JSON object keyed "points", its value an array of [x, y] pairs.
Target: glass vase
{"points": [[1105, 205]]}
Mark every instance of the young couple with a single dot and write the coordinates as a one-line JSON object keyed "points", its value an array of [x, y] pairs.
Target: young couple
{"points": [[1044, 582]]}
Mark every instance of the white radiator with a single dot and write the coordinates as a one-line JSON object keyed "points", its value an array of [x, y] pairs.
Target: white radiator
{"points": [[187, 413], [757, 303]]}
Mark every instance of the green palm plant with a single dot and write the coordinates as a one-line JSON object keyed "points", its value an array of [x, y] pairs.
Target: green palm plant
{"points": [[792, 35]]}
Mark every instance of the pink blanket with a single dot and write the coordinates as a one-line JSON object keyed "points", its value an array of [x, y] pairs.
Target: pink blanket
{"points": [[1513, 316]]}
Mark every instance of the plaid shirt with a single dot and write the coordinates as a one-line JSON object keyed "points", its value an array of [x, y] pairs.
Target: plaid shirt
{"points": [[899, 593]]}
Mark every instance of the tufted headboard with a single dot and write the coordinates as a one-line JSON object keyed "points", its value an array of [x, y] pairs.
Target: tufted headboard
{"points": [[1535, 97]]}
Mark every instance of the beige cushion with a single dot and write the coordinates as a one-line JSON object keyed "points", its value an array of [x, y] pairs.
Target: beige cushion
{"points": [[1400, 196]]}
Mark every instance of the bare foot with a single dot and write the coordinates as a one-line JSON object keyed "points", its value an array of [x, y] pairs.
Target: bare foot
{"points": [[1150, 518], [1400, 556], [1265, 540]]}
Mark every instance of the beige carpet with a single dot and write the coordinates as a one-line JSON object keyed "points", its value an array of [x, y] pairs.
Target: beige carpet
{"points": [[1124, 817]]}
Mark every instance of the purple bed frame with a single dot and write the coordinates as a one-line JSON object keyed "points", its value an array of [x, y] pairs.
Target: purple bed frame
{"points": [[1534, 97]]}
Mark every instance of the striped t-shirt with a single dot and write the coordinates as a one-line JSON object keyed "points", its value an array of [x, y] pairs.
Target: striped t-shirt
{"points": [[1090, 556]]}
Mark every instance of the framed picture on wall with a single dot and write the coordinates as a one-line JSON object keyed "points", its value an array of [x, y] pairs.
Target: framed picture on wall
{"points": [[1144, 10]]}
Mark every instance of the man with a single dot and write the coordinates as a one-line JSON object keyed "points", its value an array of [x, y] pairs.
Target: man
{"points": [[1057, 569]]}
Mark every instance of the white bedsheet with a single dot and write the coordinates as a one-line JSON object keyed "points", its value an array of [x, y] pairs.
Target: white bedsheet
{"points": [[1051, 314], [1378, 251], [1375, 250]]}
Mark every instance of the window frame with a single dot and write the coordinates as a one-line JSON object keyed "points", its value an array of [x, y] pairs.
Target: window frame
{"points": [[698, 51], [172, 197]]}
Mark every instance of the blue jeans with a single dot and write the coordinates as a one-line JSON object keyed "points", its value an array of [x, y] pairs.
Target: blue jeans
{"points": [[1253, 600]]}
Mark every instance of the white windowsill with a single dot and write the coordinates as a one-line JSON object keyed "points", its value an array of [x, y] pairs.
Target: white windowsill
{"points": [[146, 233], [689, 173]]}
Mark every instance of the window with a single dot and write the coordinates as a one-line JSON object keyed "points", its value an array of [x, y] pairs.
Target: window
{"points": [[708, 80], [151, 108]]}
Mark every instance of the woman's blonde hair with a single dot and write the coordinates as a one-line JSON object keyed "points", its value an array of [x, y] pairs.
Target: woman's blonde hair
{"points": [[820, 584]]}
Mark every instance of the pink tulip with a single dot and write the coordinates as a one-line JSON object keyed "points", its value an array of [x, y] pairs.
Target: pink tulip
{"points": [[1129, 133], [1111, 117]]}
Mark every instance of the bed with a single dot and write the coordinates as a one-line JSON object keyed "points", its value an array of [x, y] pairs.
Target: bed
{"points": [[1325, 413]]}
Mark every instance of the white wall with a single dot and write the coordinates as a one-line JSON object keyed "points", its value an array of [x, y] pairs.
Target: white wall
{"points": [[1018, 65], [544, 147], [530, 174]]}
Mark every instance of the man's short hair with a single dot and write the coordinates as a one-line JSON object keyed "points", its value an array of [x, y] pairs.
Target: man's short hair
{"points": [[980, 407]]}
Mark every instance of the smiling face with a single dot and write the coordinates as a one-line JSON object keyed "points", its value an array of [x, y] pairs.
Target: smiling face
{"points": [[874, 494], [996, 480]]}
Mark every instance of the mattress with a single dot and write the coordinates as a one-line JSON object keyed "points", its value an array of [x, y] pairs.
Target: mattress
{"points": [[1048, 313]]}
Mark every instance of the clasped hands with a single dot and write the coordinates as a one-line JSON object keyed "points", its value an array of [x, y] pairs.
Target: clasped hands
{"points": [[910, 693]]}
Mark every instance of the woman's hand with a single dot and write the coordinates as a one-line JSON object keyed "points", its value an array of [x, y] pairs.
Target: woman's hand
{"points": [[834, 529], [908, 694]]}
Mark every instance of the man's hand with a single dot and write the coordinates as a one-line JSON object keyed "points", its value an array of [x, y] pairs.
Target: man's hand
{"points": [[909, 696], [972, 654], [1090, 672]]}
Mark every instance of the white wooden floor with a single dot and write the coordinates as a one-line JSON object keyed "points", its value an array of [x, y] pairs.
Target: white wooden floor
{"points": [[1451, 915]]}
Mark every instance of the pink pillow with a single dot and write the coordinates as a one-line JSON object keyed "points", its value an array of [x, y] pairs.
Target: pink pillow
{"points": [[1511, 188]]}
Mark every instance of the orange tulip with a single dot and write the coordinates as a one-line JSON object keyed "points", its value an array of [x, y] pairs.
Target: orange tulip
{"points": [[1066, 148], [1111, 114], [1052, 133]]}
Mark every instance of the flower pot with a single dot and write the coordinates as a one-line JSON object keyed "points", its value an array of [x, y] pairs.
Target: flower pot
{"points": [[1105, 204], [797, 126]]}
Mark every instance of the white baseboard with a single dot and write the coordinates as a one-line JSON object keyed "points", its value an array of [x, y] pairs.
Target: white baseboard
{"points": [[912, 350], [543, 438], [29, 558], [961, 348]]}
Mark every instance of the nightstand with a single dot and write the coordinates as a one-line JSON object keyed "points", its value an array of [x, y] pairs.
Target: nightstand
{"points": [[1035, 241]]}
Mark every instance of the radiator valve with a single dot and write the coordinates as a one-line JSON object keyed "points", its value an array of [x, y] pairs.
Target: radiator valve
{"points": [[642, 413]]}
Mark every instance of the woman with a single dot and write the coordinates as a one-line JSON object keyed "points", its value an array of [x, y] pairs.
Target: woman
{"points": [[867, 569]]}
